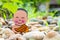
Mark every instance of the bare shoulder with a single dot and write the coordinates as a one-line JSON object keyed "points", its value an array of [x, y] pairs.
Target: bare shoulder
{"points": [[14, 26]]}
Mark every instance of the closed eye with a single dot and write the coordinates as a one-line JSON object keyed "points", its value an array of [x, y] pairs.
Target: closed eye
{"points": [[22, 17], [17, 17]]}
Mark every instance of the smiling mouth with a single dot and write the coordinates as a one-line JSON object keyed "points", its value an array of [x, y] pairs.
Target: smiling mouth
{"points": [[19, 23]]}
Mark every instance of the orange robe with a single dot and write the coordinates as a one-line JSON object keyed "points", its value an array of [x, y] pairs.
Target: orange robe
{"points": [[22, 28]]}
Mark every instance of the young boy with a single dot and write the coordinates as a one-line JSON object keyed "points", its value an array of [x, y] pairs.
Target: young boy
{"points": [[20, 18]]}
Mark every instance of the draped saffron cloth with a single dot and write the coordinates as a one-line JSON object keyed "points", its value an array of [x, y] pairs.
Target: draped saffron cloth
{"points": [[22, 28]]}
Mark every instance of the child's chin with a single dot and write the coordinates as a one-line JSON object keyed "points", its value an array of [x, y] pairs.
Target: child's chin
{"points": [[20, 24]]}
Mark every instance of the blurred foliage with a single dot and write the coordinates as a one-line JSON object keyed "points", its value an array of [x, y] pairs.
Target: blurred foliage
{"points": [[9, 7], [58, 1]]}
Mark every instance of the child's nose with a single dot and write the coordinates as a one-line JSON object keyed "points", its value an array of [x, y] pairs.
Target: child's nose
{"points": [[19, 19]]}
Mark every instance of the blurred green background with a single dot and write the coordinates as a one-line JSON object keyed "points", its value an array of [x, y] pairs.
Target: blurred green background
{"points": [[35, 8]]}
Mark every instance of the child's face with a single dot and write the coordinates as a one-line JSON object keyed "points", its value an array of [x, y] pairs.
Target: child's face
{"points": [[20, 17]]}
